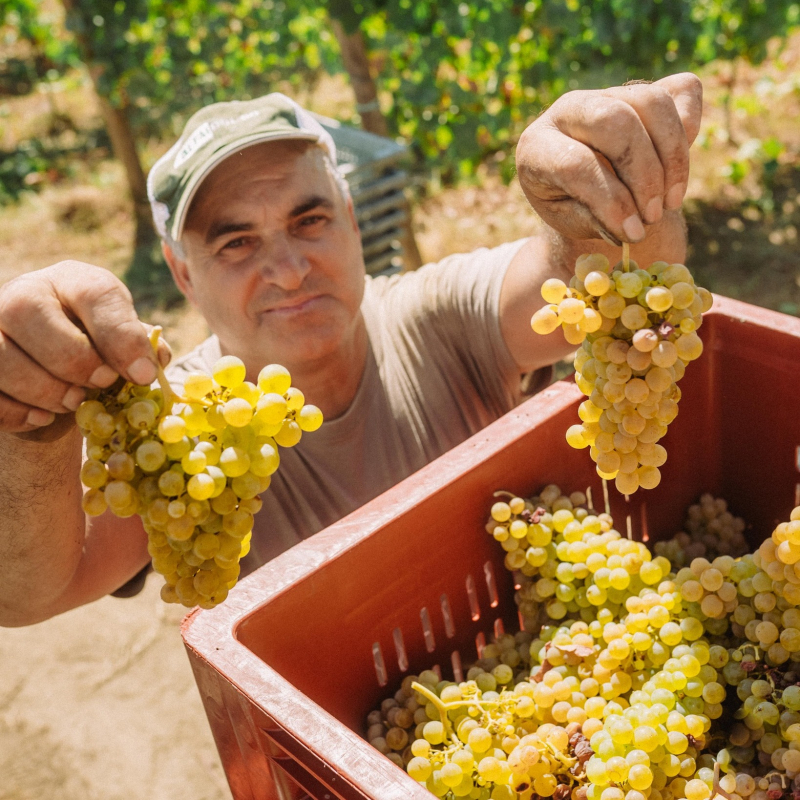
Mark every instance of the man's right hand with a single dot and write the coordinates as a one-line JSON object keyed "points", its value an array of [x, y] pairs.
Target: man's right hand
{"points": [[65, 329]]}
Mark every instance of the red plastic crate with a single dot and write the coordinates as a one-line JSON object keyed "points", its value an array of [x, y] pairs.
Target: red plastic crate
{"points": [[290, 665]]}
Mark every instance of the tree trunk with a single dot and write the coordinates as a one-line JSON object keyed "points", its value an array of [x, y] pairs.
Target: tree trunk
{"points": [[356, 62], [124, 146], [119, 131]]}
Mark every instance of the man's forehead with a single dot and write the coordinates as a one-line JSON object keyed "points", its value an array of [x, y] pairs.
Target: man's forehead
{"points": [[285, 175]]}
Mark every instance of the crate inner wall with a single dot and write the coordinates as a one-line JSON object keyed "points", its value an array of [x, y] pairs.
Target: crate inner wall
{"points": [[736, 436]]}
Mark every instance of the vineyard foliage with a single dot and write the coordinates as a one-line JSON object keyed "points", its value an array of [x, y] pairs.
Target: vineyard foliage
{"points": [[457, 80]]}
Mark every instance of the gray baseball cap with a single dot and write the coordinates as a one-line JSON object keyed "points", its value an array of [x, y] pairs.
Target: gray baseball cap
{"points": [[210, 136]]}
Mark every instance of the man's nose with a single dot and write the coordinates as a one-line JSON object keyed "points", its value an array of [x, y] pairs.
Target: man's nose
{"points": [[284, 263]]}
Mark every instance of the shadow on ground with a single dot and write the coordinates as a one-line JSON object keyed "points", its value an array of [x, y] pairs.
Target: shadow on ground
{"points": [[750, 251]]}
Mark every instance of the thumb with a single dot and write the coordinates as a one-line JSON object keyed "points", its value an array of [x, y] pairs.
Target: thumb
{"points": [[105, 309]]}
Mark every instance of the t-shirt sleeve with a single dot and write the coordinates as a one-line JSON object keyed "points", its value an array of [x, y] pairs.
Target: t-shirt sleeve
{"points": [[456, 301]]}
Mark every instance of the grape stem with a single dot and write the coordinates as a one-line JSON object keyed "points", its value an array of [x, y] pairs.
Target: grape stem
{"points": [[171, 398], [718, 790], [626, 257], [443, 707]]}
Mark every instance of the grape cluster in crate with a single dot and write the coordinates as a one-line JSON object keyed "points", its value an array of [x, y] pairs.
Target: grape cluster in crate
{"points": [[638, 675]]}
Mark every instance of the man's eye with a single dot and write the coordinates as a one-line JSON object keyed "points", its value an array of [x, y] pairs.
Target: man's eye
{"points": [[234, 243], [310, 221]]}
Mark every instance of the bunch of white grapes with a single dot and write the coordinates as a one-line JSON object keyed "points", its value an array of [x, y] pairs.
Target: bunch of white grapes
{"points": [[479, 738], [192, 467], [639, 682], [710, 530], [637, 331]]}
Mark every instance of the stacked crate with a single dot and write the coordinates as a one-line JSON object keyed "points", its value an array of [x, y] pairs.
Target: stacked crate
{"points": [[372, 166]]}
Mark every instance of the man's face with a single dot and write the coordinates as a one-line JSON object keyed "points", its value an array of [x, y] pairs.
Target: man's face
{"points": [[273, 257]]}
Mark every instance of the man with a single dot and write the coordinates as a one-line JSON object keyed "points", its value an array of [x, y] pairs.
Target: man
{"points": [[260, 235]]}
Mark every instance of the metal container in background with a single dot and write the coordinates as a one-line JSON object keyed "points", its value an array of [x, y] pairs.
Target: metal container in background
{"points": [[372, 166]]}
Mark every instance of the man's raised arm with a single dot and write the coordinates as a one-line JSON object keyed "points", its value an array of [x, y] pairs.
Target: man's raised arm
{"points": [[62, 330], [600, 168]]}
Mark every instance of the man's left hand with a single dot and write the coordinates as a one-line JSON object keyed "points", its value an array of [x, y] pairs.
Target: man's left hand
{"points": [[605, 163]]}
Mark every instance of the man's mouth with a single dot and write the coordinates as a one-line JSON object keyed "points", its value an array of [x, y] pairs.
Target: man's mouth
{"points": [[293, 306]]}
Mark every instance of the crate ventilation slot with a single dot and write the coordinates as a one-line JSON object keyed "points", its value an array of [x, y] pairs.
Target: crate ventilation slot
{"points": [[427, 630], [400, 649], [447, 615], [491, 584], [480, 643], [380, 666], [458, 672], [472, 595]]}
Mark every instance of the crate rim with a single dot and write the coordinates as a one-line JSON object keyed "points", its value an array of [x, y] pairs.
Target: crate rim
{"points": [[210, 635]]}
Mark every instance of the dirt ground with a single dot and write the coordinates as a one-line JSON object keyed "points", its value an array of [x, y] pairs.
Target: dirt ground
{"points": [[100, 704]]}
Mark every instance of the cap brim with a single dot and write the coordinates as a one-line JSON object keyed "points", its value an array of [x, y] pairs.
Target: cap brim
{"points": [[179, 217]]}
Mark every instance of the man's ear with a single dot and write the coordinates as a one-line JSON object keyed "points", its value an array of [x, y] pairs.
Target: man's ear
{"points": [[180, 272], [351, 210]]}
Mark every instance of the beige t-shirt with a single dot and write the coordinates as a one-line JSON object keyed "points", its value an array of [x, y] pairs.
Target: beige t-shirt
{"points": [[437, 372]]}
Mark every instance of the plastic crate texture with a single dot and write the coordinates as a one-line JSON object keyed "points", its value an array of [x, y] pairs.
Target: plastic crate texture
{"points": [[290, 665]]}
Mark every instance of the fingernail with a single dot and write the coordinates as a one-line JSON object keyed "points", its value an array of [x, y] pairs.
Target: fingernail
{"points": [[103, 376], [633, 228], [39, 417], [609, 239], [73, 398], [164, 354], [654, 210], [142, 371], [674, 197]]}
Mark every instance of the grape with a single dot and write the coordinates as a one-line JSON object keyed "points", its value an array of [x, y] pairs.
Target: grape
{"points": [[274, 378], [630, 376], [545, 320], [229, 372], [197, 385], [237, 412], [289, 434], [186, 469], [309, 418]]}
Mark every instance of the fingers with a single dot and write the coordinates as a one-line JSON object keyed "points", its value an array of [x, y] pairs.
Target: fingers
{"points": [[23, 379], [78, 323], [105, 308], [18, 417], [623, 153], [598, 120], [686, 91], [62, 329], [583, 178], [656, 109]]}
